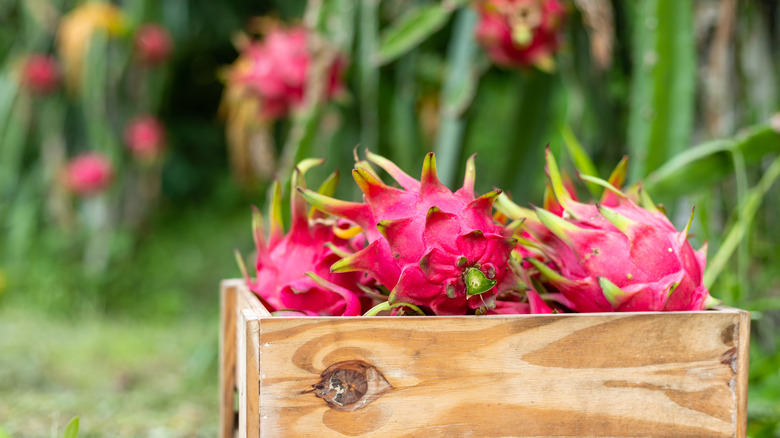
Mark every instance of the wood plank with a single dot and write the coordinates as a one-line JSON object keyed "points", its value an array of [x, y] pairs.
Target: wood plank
{"points": [[247, 376], [227, 358], [670, 374], [743, 354], [248, 300]]}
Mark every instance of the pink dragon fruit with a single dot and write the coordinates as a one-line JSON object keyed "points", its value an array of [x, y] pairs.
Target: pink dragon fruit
{"points": [[145, 137], [615, 255], [429, 246], [293, 270], [88, 174], [276, 70], [520, 33], [41, 74], [153, 44]]}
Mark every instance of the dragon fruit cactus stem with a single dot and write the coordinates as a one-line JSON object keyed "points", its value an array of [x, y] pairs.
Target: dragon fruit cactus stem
{"points": [[620, 257], [429, 246], [293, 269]]}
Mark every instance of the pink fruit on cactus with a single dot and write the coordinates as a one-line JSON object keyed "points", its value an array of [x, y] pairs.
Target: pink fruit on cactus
{"points": [[153, 44], [145, 137], [293, 269], [41, 74], [88, 174], [620, 257], [520, 33], [429, 246], [276, 71]]}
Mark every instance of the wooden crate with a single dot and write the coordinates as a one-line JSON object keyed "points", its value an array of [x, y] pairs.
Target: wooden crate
{"points": [[672, 374]]}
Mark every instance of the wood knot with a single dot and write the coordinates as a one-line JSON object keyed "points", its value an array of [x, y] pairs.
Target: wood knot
{"points": [[350, 385]]}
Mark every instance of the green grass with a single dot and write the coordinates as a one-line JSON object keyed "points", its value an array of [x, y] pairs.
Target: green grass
{"points": [[134, 354], [123, 377]]}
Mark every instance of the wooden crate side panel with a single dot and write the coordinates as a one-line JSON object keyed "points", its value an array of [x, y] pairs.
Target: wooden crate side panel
{"points": [[235, 298], [743, 355], [248, 300], [227, 359], [248, 328], [659, 374]]}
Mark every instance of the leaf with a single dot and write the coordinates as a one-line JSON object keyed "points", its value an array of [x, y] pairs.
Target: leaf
{"points": [[72, 429], [369, 74], [410, 30], [582, 161], [457, 93], [737, 232], [663, 84], [711, 162], [336, 22]]}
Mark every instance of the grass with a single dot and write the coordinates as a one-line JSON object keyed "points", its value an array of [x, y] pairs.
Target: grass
{"points": [[134, 354], [122, 377]]}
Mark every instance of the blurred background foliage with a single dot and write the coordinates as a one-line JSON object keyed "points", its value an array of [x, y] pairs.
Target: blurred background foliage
{"points": [[687, 89]]}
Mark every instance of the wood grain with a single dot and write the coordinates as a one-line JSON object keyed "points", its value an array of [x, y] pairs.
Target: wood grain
{"points": [[248, 328], [236, 298], [672, 374], [741, 367], [227, 358]]}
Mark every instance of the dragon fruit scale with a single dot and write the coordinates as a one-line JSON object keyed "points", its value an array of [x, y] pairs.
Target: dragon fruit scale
{"points": [[429, 246], [293, 269], [615, 255], [520, 33]]}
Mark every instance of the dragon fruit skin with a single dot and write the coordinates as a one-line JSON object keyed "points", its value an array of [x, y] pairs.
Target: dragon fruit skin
{"points": [[41, 74], [620, 257], [88, 174], [429, 246], [520, 33], [275, 71], [145, 137], [153, 44], [293, 269]]}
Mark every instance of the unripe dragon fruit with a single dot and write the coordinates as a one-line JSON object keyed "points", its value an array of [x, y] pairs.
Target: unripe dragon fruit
{"points": [[520, 33], [429, 246], [615, 255], [293, 269]]}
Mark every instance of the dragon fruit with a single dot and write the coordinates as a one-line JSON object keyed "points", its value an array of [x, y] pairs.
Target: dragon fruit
{"points": [[520, 33], [145, 137], [293, 269], [153, 44], [41, 74], [615, 255], [429, 246], [88, 174], [275, 71]]}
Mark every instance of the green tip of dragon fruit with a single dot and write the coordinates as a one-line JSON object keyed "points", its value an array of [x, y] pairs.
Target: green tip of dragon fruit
{"points": [[622, 223], [327, 188], [559, 226], [552, 276], [711, 301], [556, 180], [277, 227], [612, 293]]}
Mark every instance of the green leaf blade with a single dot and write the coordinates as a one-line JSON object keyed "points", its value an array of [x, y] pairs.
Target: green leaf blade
{"points": [[410, 30], [72, 429], [663, 85]]}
